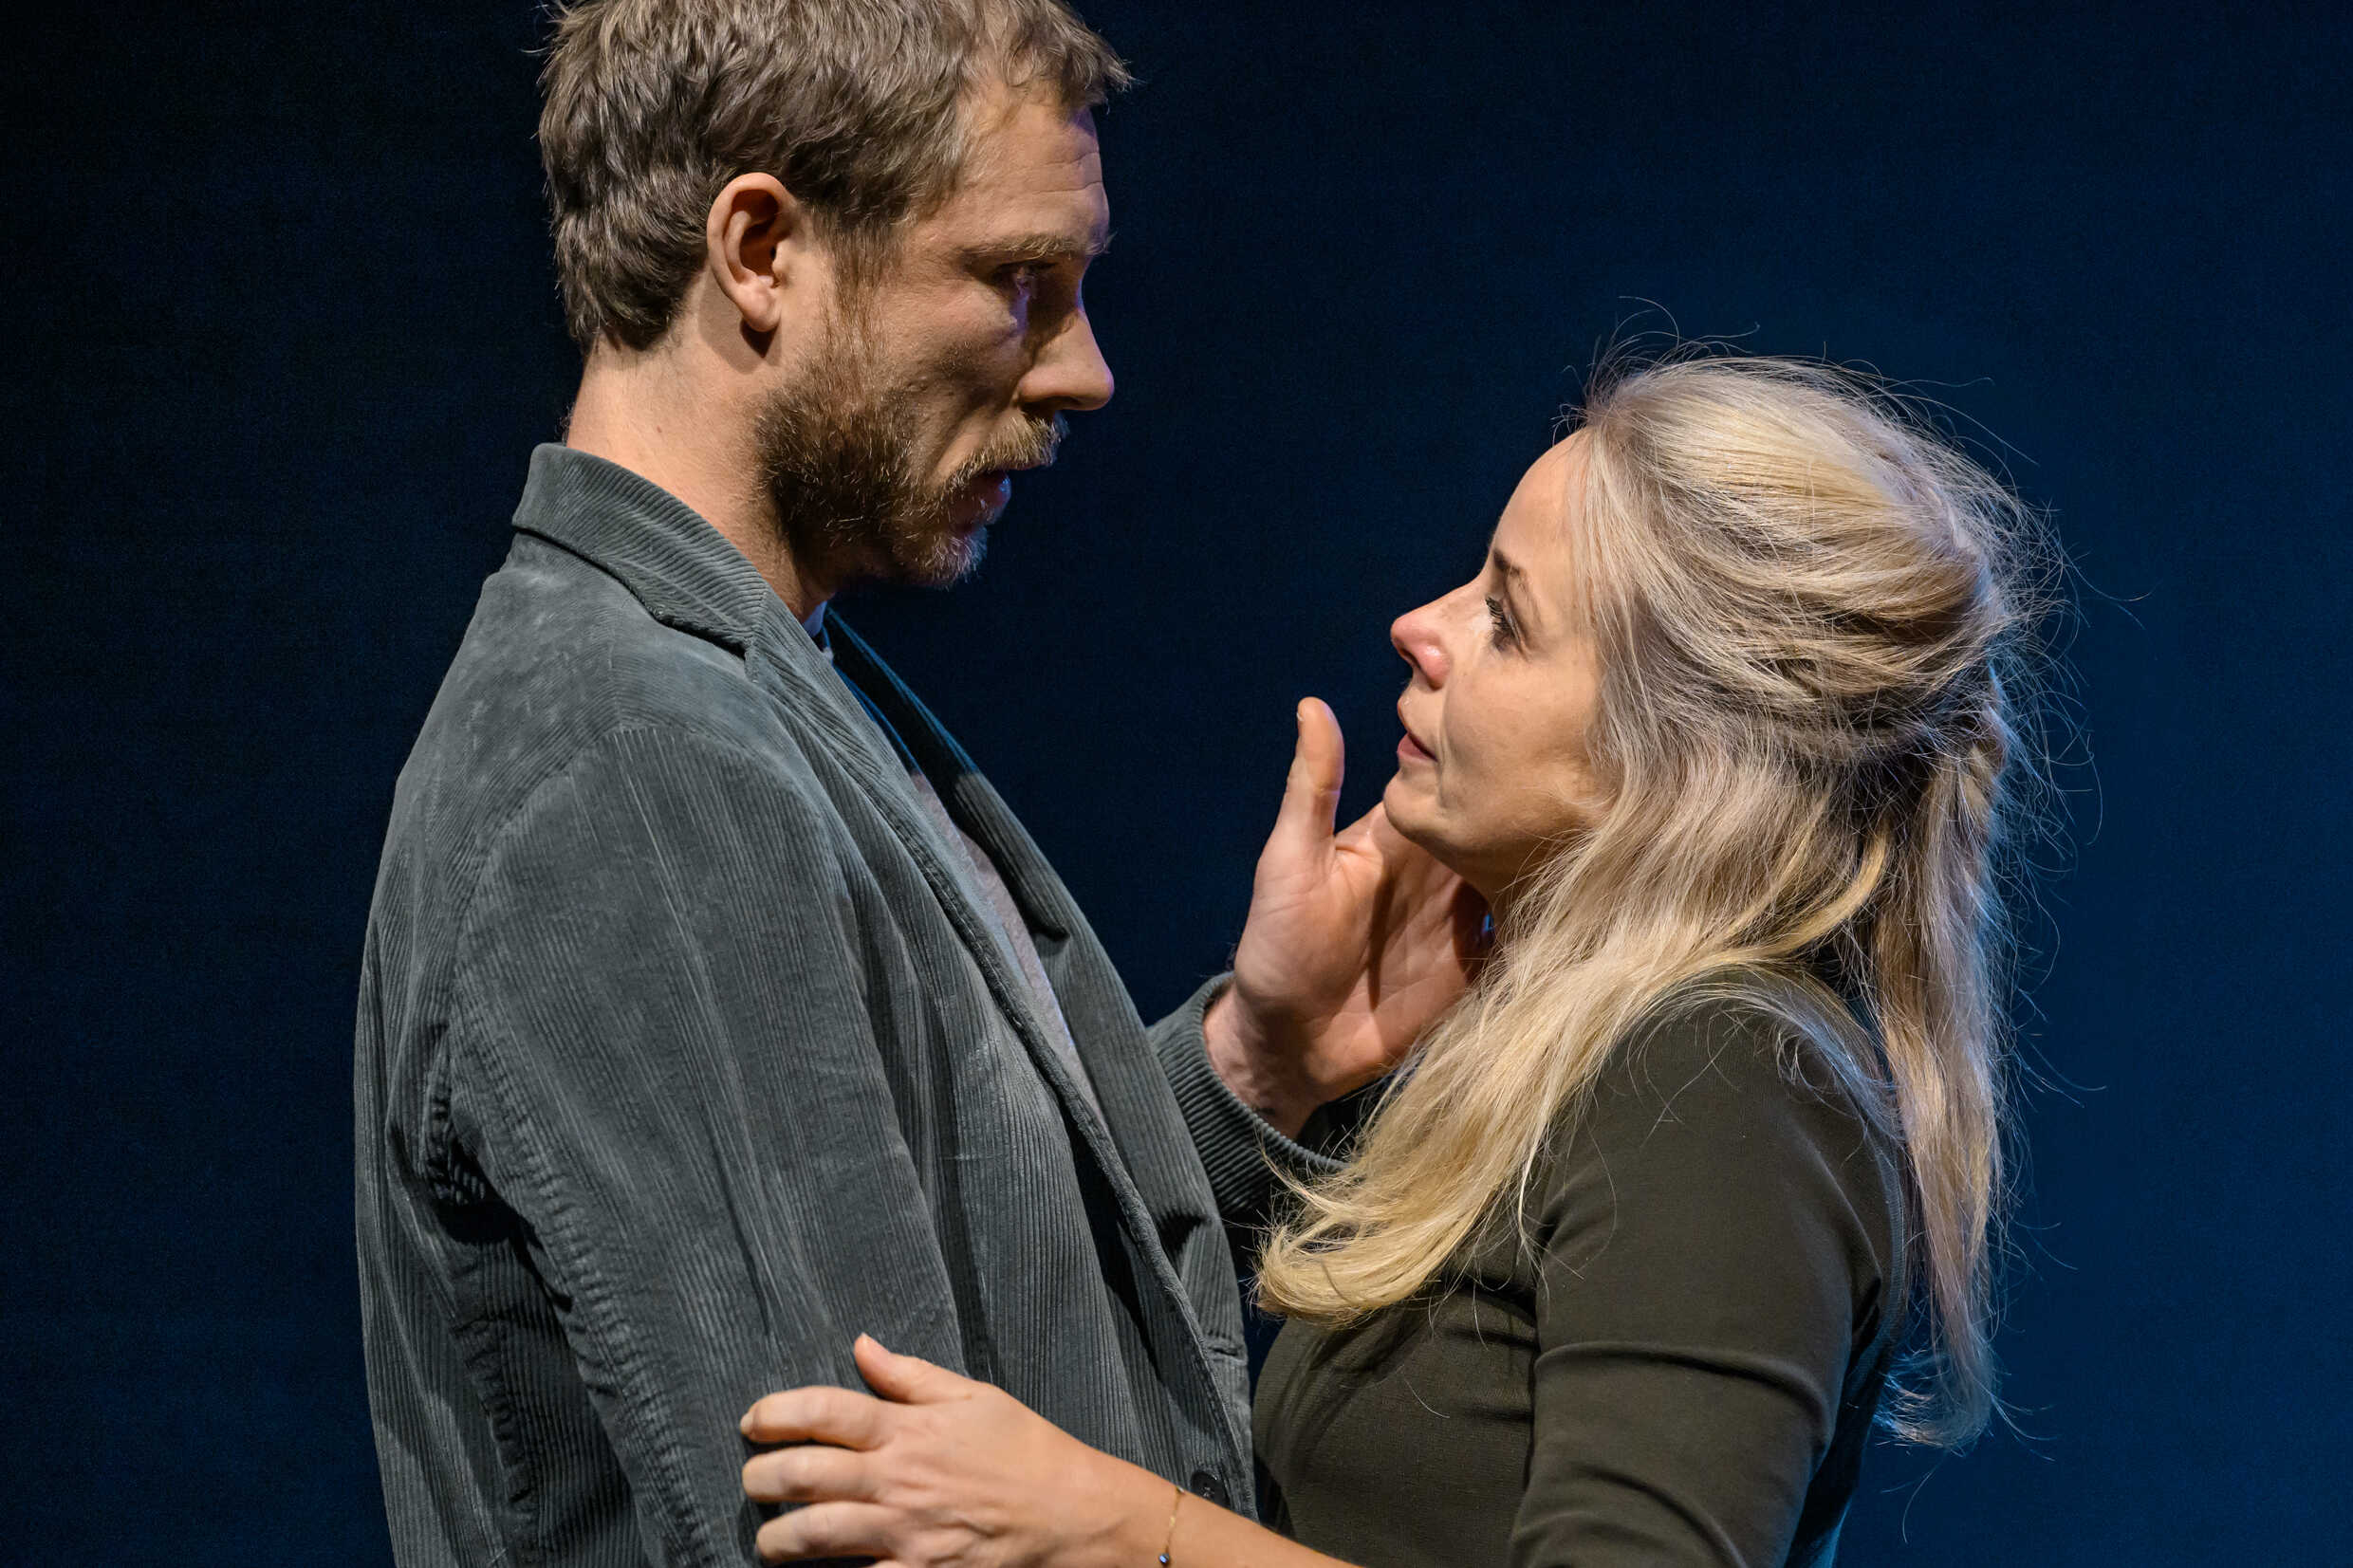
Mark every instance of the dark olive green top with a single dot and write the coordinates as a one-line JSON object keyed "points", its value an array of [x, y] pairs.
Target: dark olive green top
{"points": [[1680, 1369]]}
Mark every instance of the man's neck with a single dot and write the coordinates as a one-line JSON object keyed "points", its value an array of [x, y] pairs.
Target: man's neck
{"points": [[645, 414]]}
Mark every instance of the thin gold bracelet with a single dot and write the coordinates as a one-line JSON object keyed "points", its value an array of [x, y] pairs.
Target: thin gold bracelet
{"points": [[1170, 1540]]}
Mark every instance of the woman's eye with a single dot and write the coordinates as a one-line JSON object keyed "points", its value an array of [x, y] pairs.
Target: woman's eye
{"points": [[1500, 618]]}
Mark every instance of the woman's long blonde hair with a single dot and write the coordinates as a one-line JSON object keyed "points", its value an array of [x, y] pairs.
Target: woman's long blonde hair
{"points": [[1812, 616]]}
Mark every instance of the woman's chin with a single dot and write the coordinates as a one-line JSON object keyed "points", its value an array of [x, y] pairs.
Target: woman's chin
{"points": [[1406, 803]]}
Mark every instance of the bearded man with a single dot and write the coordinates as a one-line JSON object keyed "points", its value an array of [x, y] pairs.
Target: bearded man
{"points": [[714, 1008]]}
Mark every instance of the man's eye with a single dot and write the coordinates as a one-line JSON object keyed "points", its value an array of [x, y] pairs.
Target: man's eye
{"points": [[1025, 276], [1499, 616]]}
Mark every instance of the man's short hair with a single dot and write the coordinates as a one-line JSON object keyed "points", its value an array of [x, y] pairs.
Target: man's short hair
{"points": [[856, 105]]}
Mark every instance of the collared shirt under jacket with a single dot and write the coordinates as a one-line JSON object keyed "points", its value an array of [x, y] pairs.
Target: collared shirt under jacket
{"points": [[686, 1051]]}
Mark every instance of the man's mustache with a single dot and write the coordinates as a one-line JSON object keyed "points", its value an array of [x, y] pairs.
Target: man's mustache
{"points": [[1033, 445]]}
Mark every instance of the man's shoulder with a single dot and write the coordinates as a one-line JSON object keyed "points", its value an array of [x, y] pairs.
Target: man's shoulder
{"points": [[560, 661], [572, 729], [575, 646]]}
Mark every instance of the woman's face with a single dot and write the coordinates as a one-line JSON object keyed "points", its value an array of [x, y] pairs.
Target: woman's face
{"points": [[1492, 773]]}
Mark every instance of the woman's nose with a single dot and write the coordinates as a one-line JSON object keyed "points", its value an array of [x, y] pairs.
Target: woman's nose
{"points": [[1414, 635]]}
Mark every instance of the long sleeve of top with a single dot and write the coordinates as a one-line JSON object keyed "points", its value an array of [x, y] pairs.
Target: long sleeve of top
{"points": [[1240, 1149], [1681, 1365]]}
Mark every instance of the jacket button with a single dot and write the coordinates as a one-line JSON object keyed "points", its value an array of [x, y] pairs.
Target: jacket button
{"points": [[1210, 1489]]}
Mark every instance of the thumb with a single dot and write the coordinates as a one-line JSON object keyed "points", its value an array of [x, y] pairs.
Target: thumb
{"points": [[905, 1379], [1311, 791]]}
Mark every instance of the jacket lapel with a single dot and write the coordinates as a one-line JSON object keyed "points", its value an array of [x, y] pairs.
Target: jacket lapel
{"points": [[788, 661], [1128, 1081]]}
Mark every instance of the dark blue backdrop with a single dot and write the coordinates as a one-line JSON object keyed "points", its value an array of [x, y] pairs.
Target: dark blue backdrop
{"points": [[284, 333]]}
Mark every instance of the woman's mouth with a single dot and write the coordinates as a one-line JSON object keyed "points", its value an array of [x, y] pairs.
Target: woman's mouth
{"points": [[1409, 749]]}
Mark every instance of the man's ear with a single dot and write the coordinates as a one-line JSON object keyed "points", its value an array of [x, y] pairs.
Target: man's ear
{"points": [[757, 242]]}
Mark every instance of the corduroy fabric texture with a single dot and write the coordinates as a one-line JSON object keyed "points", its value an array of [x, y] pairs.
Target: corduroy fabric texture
{"points": [[684, 1055]]}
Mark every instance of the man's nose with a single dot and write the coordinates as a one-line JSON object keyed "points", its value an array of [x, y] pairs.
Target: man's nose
{"points": [[1414, 635], [1071, 372]]}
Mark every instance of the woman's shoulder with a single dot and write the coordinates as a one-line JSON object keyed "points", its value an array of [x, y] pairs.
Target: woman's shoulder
{"points": [[1747, 1052], [1745, 1104]]}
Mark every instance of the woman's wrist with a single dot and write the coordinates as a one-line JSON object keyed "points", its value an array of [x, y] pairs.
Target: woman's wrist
{"points": [[1132, 1515]]}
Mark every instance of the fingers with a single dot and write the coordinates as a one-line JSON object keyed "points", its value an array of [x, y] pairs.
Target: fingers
{"points": [[1311, 791], [1421, 883], [1376, 829], [809, 1474], [1475, 928], [828, 1530], [842, 1417], [908, 1380], [1402, 862]]}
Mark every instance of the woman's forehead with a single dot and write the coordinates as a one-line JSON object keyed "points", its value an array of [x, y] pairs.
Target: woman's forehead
{"points": [[1539, 506]]}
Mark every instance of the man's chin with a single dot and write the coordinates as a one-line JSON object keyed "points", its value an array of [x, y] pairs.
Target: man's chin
{"points": [[971, 547], [945, 559]]}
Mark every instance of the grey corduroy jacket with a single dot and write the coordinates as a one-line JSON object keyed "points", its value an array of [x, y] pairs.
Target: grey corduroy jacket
{"points": [[687, 1052]]}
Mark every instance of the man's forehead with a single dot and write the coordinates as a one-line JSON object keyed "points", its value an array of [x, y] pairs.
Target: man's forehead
{"points": [[1030, 149]]}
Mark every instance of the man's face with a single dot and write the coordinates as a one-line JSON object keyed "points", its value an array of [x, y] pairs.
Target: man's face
{"points": [[952, 369]]}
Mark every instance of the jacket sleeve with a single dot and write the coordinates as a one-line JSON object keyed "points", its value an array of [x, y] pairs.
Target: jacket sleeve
{"points": [[667, 1071], [1239, 1149], [1715, 1236]]}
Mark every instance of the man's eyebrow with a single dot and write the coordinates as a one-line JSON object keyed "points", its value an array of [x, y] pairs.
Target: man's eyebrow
{"points": [[1040, 246]]}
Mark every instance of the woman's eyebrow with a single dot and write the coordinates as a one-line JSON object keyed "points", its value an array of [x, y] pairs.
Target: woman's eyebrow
{"points": [[1514, 578]]}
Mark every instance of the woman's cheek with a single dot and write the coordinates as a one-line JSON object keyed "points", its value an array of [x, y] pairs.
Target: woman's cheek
{"points": [[1467, 743]]}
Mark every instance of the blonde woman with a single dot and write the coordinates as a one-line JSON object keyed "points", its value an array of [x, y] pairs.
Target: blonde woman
{"points": [[1618, 1270]]}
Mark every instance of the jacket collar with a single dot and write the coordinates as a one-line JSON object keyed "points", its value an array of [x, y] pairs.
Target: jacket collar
{"points": [[682, 568]]}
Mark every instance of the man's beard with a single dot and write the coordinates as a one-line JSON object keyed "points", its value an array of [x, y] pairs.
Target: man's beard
{"points": [[838, 453]]}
